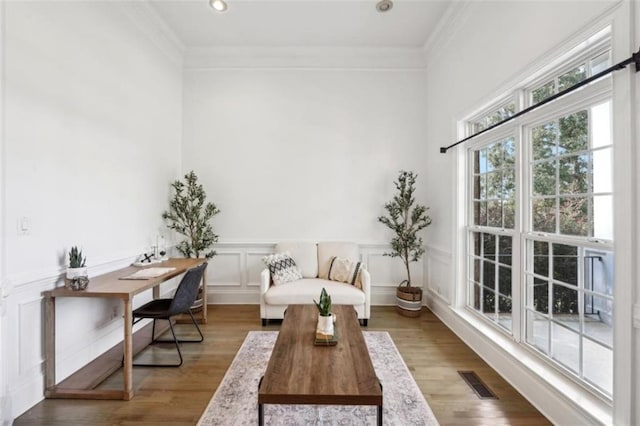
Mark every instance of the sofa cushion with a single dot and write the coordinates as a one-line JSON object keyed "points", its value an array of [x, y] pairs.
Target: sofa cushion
{"points": [[305, 290], [304, 253], [327, 250], [282, 267], [345, 271]]}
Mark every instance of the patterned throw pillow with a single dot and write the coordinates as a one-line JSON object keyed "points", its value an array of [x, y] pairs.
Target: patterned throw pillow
{"points": [[345, 271], [282, 267]]}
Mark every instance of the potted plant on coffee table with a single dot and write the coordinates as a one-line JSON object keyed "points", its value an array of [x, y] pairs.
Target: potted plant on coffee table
{"points": [[406, 219], [325, 317]]}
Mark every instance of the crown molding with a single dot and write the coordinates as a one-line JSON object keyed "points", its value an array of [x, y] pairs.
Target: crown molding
{"points": [[198, 58], [448, 26], [155, 28]]}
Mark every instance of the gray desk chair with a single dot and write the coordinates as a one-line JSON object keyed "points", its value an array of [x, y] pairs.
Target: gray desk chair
{"points": [[164, 309]]}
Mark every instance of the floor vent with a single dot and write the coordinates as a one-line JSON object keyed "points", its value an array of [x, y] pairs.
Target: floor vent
{"points": [[477, 385]]}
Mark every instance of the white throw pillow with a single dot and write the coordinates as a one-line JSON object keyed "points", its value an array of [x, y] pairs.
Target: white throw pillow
{"points": [[282, 267], [345, 271]]}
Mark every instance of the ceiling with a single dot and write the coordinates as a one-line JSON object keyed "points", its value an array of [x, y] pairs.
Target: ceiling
{"points": [[302, 23]]}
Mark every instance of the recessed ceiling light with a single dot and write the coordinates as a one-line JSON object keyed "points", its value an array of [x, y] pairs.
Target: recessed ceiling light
{"points": [[384, 5], [218, 5]]}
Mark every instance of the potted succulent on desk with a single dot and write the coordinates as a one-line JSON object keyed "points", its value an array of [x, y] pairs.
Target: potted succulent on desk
{"points": [[77, 276], [325, 318]]}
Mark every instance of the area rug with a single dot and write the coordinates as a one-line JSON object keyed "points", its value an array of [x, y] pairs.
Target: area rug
{"points": [[236, 400]]}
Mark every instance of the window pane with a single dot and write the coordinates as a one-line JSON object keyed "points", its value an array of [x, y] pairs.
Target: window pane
{"points": [[565, 263], [508, 183], [603, 217], [509, 146], [480, 213], [544, 178], [504, 280], [574, 174], [489, 241], [544, 215], [489, 275], [494, 156], [600, 63], [601, 125], [475, 275], [599, 272], [477, 186], [504, 312], [476, 244], [494, 185], [598, 365], [540, 296], [565, 347], [494, 214], [572, 77], [543, 92], [506, 250], [489, 302], [509, 212], [574, 133], [538, 331], [544, 140], [565, 307], [598, 319], [541, 258], [475, 297], [574, 216], [602, 174]]}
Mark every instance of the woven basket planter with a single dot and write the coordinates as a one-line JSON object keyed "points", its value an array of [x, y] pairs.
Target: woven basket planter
{"points": [[409, 301]]}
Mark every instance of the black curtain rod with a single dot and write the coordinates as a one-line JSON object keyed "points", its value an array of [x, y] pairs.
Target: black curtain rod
{"points": [[634, 59]]}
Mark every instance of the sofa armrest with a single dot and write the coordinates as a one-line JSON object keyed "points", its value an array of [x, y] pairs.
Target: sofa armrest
{"points": [[365, 280], [265, 281]]}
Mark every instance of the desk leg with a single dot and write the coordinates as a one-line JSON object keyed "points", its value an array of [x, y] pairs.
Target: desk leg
{"points": [[127, 368], [50, 344]]}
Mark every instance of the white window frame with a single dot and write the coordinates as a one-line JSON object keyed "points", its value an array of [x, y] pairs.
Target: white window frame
{"points": [[518, 128]]}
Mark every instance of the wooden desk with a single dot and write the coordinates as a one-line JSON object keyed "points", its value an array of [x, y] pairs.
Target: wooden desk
{"points": [[107, 286]]}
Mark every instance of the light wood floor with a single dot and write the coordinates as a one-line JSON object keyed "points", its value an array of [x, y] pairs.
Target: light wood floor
{"points": [[178, 396]]}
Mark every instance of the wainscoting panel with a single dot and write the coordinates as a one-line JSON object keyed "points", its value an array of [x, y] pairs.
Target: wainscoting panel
{"points": [[234, 275], [30, 336], [226, 270], [255, 265], [438, 270]]}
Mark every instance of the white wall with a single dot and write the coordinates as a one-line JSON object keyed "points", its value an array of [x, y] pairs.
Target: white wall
{"points": [[302, 151], [93, 107], [489, 45]]}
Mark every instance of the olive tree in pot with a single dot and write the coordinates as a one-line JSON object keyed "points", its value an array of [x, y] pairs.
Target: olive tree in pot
{"points": [[189, 214], [406, 218]]}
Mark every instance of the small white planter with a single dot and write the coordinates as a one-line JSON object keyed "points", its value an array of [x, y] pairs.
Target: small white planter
{"points": [[325, 324], [77, 278], [76, 272]]}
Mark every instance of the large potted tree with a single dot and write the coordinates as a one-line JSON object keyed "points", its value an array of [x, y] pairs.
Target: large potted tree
{"points": [[189, 214], [406, 218]]}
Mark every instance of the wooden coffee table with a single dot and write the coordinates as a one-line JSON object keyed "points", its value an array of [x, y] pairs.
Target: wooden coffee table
{"points": [[301, 373]]}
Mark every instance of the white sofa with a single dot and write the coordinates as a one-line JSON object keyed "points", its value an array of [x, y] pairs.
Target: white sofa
{"points": [[313, 260]]}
